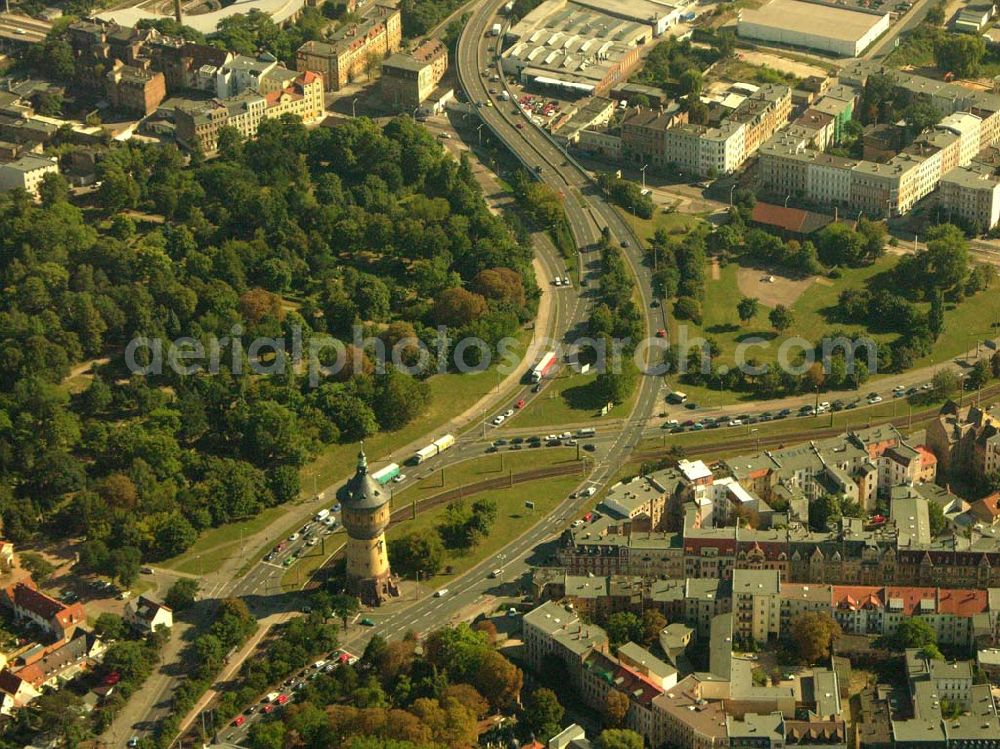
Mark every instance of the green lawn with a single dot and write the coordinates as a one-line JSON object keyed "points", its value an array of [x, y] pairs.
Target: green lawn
{"points": [[815, 316], [512, 520], [569, 399], [481, 469], [673, 223], [464, 474], [813, 312], [450, 395]]}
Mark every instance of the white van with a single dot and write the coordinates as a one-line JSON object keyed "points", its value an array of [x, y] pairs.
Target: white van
{"points": [[441, 593]]}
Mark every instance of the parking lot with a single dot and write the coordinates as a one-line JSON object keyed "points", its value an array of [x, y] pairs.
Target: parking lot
{"points": [[676, 423]]}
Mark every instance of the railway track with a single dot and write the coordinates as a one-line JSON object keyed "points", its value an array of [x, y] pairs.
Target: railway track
{"points": [[404, 513]]}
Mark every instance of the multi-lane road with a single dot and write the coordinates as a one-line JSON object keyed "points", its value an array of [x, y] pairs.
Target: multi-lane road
{"points": [[586, 210]]}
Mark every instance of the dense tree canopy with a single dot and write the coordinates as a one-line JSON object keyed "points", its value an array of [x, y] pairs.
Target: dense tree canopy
{"points": [[287, 241]]}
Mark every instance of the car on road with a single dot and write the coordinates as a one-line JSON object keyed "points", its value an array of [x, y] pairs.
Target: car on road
{"points": [[873, 399], [279, 548], [565, 281], [520, 404], [495, 574], [335, 508], [735, 422], [269, 556], [691, 405], [553, 443], [239, 720], [268, 708], [294, 537], [366, 622], [441, 593], [498, 420], [312, 541], [626, 244], [289, 561], [661, 333], [590, 447], [926, 386], [399, 479], [511, 612], [508, 413], [133, 742], [146, 570]]}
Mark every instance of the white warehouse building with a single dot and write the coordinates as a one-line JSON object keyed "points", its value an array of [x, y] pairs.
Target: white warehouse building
{"points": [[846, 32]]}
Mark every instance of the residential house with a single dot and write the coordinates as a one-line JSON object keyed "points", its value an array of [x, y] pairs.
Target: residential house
{"points": [[146, 615], [57, 619]]}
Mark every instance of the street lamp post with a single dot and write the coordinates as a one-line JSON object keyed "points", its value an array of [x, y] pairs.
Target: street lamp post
{"points": [[731, 190], [502, 558], [479, 132], [354, 111], [643, 170]]}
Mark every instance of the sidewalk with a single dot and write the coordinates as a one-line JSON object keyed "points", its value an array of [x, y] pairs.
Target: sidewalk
{"points": [[230, 669]]}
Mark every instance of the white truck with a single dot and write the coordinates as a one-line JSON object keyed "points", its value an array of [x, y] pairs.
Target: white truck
{"points": [[321, 515], [271, 696], [505, 95], [495, 29]]}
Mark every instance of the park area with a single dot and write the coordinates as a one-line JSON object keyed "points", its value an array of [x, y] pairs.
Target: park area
{"points": [[814, 304]]}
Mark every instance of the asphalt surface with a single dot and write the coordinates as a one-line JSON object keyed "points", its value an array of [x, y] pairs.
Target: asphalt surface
{"points": [[586, 210], [911, 20]]}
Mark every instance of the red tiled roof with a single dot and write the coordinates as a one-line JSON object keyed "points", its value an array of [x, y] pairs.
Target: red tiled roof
{"points": [[926, 456], [987, 507], [955, 601], [962, 602], [25, 596], [308, 77], [790, 219]]}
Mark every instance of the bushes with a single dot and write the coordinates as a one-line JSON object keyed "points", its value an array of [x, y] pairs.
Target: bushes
{"points": [[688, 308], [626, 194]]}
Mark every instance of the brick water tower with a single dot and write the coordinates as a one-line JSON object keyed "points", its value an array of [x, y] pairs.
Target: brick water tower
{"points": [[365, 515]]}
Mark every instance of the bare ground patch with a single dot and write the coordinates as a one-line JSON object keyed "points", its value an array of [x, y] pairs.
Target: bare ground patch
{"points": [[782, 290]]}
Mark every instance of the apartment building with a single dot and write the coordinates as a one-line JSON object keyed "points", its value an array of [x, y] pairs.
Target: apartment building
{"points": [[26, 173], [555, 630], [971, 193], [708, 150], [953, 613], [643, 136], [279, 91], [134, 89], [409, 78], [965, 440], [790, 167], [355, 49], [756, 605]]}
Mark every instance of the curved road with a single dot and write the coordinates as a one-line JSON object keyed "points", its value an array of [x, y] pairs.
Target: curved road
{"points": [[586, 210]]}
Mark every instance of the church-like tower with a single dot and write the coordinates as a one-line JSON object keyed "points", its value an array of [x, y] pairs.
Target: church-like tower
{"points": [[365, 515]]}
